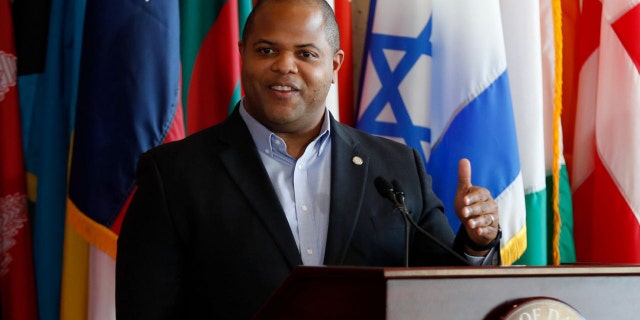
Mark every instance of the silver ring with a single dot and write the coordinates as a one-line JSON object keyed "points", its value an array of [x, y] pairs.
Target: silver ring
{"points": [[492, 220]]}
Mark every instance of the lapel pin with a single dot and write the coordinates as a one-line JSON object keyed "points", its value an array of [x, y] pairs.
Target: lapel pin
{"points": [[357, 160]]}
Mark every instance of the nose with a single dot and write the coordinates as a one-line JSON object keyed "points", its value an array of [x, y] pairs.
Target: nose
{"points": [[285, 63]]}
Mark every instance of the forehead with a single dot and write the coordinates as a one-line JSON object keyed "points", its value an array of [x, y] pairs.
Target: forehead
{"points": [[289, 22]]}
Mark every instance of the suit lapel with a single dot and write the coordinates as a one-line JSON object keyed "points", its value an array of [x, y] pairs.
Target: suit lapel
{"points": [[245, 167], [349, 168]]}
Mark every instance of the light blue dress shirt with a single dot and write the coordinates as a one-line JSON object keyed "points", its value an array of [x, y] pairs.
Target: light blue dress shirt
{"points": [[303, 185]]}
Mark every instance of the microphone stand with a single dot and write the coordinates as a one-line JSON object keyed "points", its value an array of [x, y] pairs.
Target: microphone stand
{"points": [[395, 194], [406, 235], [399, 196]]}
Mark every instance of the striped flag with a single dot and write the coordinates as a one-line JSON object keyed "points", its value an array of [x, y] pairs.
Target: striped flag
{"points": [[17, 282], [47, 103], [210, 30], [570, 76], [531, 55], [521, 25], [560, 242], [435, 78], [606, 178], [128, 102]]}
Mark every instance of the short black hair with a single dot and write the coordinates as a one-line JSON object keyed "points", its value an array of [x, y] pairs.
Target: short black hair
{"points": [[328, 16]]}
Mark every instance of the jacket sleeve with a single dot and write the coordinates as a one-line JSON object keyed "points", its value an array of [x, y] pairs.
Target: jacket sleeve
{"points": [[149, 264]]}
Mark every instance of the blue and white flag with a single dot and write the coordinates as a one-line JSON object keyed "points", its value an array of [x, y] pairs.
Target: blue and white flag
{"points": [[435, 78]]}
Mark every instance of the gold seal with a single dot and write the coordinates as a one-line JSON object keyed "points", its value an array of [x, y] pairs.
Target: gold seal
{"points": [[540, 308]]}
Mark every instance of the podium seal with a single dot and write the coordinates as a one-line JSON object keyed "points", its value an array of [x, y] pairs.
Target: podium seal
{"points": [[535, 308]]}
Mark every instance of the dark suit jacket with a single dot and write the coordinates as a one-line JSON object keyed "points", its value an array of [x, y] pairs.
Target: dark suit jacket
{"points": [[205, 233]]}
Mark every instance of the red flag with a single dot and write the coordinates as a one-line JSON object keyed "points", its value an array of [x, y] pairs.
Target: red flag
{"points": [[17, 286], [345, 76], [570, 14], [607, 137], [210, 61]]}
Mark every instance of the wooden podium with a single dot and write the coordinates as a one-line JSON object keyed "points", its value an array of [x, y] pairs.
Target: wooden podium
{"points": [[596, 292]]}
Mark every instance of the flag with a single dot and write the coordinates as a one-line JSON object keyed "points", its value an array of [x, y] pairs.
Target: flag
{"points": [[570, 14], [345, 75], [210, 31], [47, 105], [17, 283], [521, 25], [561, 248], [435, 78], [68, 18], [333, 100], [128, 102], [606, 178], [244, 8], [75, 250], [531, 56], [570, 17]]}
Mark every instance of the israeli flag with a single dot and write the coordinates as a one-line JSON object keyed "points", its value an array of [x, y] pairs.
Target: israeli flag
{"points": [[435, 78]]}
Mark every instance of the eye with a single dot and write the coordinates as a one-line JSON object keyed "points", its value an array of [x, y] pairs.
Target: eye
{"points": [[266, 51], [308, 54]]}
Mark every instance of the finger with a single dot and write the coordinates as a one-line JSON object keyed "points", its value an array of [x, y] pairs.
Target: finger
{"points": [[477, 194], [485, 232], [490, 220], [482, 225], [464, 174], [485, 220], [480, 209]]}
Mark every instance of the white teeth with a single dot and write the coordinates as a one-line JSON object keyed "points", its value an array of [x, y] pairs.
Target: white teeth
{"points": [[282, 88]]}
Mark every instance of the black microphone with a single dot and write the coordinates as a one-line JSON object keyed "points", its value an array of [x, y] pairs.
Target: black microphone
{"points": [[399, 194], [387, 190], [394, 193]]}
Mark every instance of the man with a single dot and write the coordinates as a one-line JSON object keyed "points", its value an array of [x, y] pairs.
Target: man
{"points": [[221, 218]]}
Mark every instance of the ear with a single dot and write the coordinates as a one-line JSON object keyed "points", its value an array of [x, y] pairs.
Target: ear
{"points": [[241, 47], [338, 58]]}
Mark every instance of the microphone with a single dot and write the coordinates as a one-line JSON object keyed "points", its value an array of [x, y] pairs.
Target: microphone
{"points": [[394, 193], [387, 190]]}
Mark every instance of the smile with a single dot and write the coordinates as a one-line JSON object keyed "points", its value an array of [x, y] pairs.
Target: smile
{"points": [[282, 88]]}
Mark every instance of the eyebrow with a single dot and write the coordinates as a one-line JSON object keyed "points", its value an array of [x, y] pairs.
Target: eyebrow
{"points": [[299, 46]]}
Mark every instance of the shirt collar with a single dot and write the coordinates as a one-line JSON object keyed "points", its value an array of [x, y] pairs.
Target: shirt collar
{"points": [[262, 136]]}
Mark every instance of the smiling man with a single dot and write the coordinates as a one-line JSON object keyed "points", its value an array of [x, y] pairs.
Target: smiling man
{"points": [[290, 56], [222, 217]]}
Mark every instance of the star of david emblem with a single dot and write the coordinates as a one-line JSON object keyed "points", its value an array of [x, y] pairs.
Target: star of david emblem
{"points": [[391, 74]]}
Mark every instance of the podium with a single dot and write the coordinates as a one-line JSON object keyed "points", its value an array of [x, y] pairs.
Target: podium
{"points": [[596, 292]]}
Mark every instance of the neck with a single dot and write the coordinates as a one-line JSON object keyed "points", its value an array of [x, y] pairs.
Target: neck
{"points": [[298, 142]]}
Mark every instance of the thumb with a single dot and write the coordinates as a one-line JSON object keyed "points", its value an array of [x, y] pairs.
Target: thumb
{"points": [[464, 174]]}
